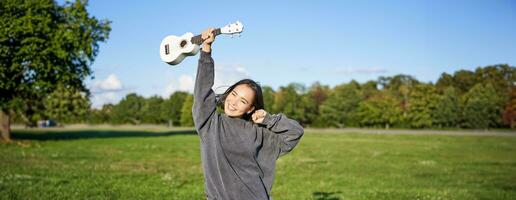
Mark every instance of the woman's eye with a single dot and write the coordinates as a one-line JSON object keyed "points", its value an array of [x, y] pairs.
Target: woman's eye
{"points": [[243, 102]]}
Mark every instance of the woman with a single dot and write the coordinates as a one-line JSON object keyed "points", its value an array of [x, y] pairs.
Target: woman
{"points": [[238, 148]]}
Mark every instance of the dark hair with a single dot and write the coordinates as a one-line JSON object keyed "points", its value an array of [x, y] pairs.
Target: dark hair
{"points": [[258, 97]]}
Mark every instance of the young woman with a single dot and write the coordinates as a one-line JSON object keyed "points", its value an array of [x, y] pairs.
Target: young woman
{"points": [[238, 148]]}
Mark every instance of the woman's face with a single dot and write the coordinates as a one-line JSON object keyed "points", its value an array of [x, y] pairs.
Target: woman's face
{"points": [[239, 101]]}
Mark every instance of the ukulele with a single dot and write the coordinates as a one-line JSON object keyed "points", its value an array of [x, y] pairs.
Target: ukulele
{"points": [[174, 49]]}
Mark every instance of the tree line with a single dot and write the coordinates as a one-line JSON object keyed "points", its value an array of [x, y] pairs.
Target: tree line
{"points": [[480, 99]]}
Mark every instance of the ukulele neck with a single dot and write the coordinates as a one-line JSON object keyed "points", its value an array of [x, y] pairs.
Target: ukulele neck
{"points": [[198, 40]]}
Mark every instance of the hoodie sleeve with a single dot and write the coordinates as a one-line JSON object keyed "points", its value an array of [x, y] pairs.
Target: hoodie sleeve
{"points": [[289, 131], [204, 105]]}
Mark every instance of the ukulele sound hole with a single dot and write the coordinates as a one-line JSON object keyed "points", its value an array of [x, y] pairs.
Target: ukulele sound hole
{"points": [[183, 44]]}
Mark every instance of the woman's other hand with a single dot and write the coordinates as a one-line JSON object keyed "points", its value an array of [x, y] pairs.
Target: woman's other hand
{"points": [[258, 116]]}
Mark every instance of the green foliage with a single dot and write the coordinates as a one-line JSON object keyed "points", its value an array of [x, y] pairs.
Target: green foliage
{"points": [[129, 109], [444, 81], [287, 100], [102, 116], [66, 105], [151, 110], [482, 107], [268, 98], [501, 77], [397, 82], [171, 107], [28, 110], [463, 80], [339, 109], [380, 110], [423, 103], [42, 43], [509, 113], [186, 111], [369, 88], [447, 110], [400, 101], [135, 109], [400, 87], [312, 101]]}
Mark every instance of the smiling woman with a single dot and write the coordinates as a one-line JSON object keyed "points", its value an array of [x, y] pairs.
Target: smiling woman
{"points": [[239, 148], [242, 99]]}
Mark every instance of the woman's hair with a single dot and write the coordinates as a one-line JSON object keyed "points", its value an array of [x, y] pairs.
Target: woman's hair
{"points": [[258, 96]]}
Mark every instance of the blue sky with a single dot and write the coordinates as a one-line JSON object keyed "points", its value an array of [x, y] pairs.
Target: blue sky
{"points": [[331, 42]]}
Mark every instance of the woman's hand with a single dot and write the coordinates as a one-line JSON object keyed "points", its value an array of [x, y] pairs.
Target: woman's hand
{"points": [[258, 116], [208, 37]]}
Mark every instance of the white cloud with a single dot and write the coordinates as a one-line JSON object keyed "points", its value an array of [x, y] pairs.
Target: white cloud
{"points": [[111, 83], [370, 70], [225, 75], [183, 83], [106, 91], [186, 83]]}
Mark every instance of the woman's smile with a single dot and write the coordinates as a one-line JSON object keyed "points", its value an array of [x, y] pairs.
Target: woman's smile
{"points": [[232, 108], [239, 101]]}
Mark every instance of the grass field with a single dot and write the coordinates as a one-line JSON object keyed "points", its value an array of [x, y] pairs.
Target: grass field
{"points": [[140, 164]]}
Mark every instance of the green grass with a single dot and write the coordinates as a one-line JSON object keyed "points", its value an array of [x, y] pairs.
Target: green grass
{"points": [[138, 164]]}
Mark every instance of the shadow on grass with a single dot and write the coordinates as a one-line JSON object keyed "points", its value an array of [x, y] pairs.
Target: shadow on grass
{"points": [[88, 134], [326, 195]]}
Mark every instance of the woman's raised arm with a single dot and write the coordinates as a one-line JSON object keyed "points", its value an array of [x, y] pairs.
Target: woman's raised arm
{"points": [[204, 105]]}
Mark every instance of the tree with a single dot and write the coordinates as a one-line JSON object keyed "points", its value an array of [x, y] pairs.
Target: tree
{"points": [[186, 111], [129, 109], [444, 81], [447, 109], [339, 109], [481, 107], [400, 87], [312, 100], [268, 98], [463, 80], [509, 113], [28, 109], [66, 105], [423, 100], [381, 109], [287, 100], [171, 107], [502, 77], [43, 44], [369, 89], [151, 110], [102, 116]]}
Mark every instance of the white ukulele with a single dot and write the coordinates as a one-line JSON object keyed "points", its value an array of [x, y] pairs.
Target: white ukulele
{"points": [[174, 49]]}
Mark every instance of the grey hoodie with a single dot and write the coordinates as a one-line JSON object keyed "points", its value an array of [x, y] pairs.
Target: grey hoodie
{"points": [[238, 156]]}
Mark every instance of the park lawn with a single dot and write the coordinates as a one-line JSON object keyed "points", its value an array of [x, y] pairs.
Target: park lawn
{"points": [[138, 164]]}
